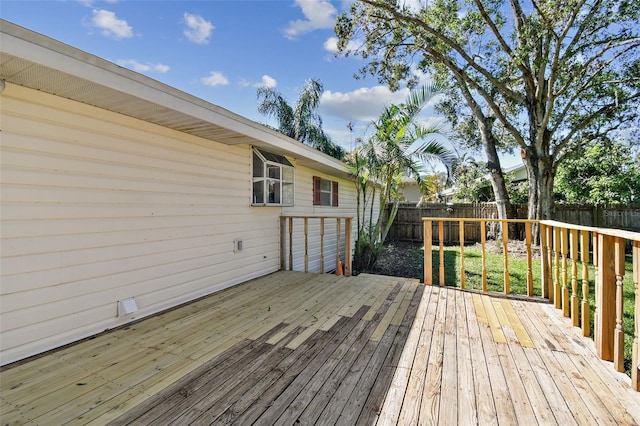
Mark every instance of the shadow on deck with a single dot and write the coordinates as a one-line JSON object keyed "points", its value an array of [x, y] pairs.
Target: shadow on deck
{"points": [[296, 348]]}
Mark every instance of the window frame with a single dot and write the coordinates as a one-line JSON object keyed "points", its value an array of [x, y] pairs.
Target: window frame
{"points": [[318, 191], [271, 162]]}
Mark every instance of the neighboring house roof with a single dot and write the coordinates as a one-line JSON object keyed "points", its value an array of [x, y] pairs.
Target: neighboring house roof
{"points": [[32, 60], [518, 173]]}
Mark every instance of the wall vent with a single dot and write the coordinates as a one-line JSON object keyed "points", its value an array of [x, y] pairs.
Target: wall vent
{"points": [[127, 306]]}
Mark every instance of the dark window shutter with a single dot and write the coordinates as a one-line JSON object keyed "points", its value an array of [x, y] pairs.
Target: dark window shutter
{"points": [[334, 194], [316, 191]]}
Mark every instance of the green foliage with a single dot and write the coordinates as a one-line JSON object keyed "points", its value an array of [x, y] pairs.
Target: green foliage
{"points": [[300, 121], [544, 77], [378, 164], [603, 174], [472, 185]]}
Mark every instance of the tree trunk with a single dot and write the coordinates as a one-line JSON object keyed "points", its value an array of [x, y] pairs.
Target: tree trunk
{"points": [[541, 173], [505, 210]]}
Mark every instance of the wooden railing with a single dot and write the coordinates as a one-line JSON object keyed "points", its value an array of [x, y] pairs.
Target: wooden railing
{"points": [[343, 237], [567, 253]]}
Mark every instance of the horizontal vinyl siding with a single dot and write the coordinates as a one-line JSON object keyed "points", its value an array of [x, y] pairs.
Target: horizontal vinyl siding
{"points": [[304, 207], [98, 207]]}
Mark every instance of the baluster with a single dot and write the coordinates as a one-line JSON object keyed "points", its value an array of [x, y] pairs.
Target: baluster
{"points": [[557, 290], [283, 243], [441, 246], [564, 248], [575, 306], [595, 241], [348, 225], [428, 263], [635, 356], [546, 236], [483, 240], [322, 245], [618, 337], [291, 243], [549, 254], [306, 244], [527, 230], [461, 234], [584, 257], [505, 248], [337, 245]]}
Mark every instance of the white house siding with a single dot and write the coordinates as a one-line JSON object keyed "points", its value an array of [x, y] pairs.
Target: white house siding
{"points": [[97, 207], [304, 207]]}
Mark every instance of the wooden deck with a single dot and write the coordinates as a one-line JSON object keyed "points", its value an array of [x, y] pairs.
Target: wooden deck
{"points": [[296, 348]]}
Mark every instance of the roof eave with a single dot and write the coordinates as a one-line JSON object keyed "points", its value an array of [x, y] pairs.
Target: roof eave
{"points": [[32, 60]]}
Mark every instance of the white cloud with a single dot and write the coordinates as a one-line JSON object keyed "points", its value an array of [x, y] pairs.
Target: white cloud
{"points": [[267, 81], [198, 29], [214, 79], [318, 14], [110, 25], [331, 45], [364, 104], [140, 67]]}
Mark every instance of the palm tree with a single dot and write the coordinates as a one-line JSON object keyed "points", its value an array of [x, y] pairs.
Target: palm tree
{"points": [[398, 146], [301, 121]]}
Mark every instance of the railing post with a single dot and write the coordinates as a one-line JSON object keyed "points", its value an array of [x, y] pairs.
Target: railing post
{"points": [[618, 337], [605, 298], [505, 249], [283, 242], [461, 235], [347, 246], [441, 247], [428, 263], [635, 357]]}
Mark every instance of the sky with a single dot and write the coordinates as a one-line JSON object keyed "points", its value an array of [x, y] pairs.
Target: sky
{"points": [[222, 51]]}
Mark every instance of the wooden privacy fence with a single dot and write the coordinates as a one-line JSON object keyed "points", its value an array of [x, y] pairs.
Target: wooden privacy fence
{"points": [[566, 253], [342, 237], [407, 225]]}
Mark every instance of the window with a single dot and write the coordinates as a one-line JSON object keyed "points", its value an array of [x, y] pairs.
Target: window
{"points": [[325, 192], [272, 179]]}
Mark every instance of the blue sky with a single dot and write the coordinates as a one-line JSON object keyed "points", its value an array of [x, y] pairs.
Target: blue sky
{"points": [[220, 51]]}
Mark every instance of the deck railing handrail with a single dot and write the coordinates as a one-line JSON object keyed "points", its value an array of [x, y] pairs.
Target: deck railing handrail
{"points": [[560, 282], [286, 241]]}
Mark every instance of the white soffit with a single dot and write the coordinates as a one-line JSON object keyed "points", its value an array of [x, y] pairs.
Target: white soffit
{"points": [[32, 60]]}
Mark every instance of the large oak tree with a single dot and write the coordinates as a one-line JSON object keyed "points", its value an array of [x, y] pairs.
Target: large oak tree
{"points": [[545, 75]]}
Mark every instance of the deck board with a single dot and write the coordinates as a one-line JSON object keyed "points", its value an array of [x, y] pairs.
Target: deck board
{"points": [[296, 348]]}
